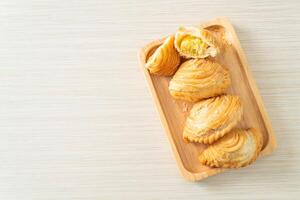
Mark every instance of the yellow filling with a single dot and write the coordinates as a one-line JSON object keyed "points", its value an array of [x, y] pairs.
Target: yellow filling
{"points": [[193, 46]]}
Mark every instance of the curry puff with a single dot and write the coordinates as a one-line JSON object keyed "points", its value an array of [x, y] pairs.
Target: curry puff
{"points": [[212, 118], [165, 60], [194, 42], [197, 79], [236, 149]]}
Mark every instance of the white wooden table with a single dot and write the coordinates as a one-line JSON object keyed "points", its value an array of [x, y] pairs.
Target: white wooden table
{"points": [[77, 120]]}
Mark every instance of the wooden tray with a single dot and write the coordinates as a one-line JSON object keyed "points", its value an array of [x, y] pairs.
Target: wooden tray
{"points": [[173, 112]]}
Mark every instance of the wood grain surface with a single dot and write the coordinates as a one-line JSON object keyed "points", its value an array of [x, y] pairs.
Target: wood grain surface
{"points": [[77, 120]]}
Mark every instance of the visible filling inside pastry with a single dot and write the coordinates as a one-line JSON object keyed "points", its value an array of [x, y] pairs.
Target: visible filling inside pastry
{"points": [[193, 45]]}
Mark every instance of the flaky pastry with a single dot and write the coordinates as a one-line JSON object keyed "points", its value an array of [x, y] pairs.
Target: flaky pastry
{"points": [[197, 79], [212, 118], [236, 149], [165, 59]]}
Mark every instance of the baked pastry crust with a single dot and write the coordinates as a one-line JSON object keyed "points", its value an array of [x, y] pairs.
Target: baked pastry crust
{"points": [[236, 149], [212, 118], [198, 79], [194, 42], [165, 60]]}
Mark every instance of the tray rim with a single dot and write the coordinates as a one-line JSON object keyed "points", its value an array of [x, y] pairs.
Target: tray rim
{"points": [[271, 144]]}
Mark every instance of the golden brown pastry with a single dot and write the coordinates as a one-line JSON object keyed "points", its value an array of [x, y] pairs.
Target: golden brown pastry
{"points": [[212, 118], [198, 79], [194, 42], [165, 60], [236, 149]]}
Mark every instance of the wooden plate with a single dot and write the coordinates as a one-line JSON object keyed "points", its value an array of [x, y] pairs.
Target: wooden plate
{"points": [[173, 112]]}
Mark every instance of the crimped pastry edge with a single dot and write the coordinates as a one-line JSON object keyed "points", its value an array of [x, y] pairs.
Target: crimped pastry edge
{"points": [[259, 142], [212, 137]]}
